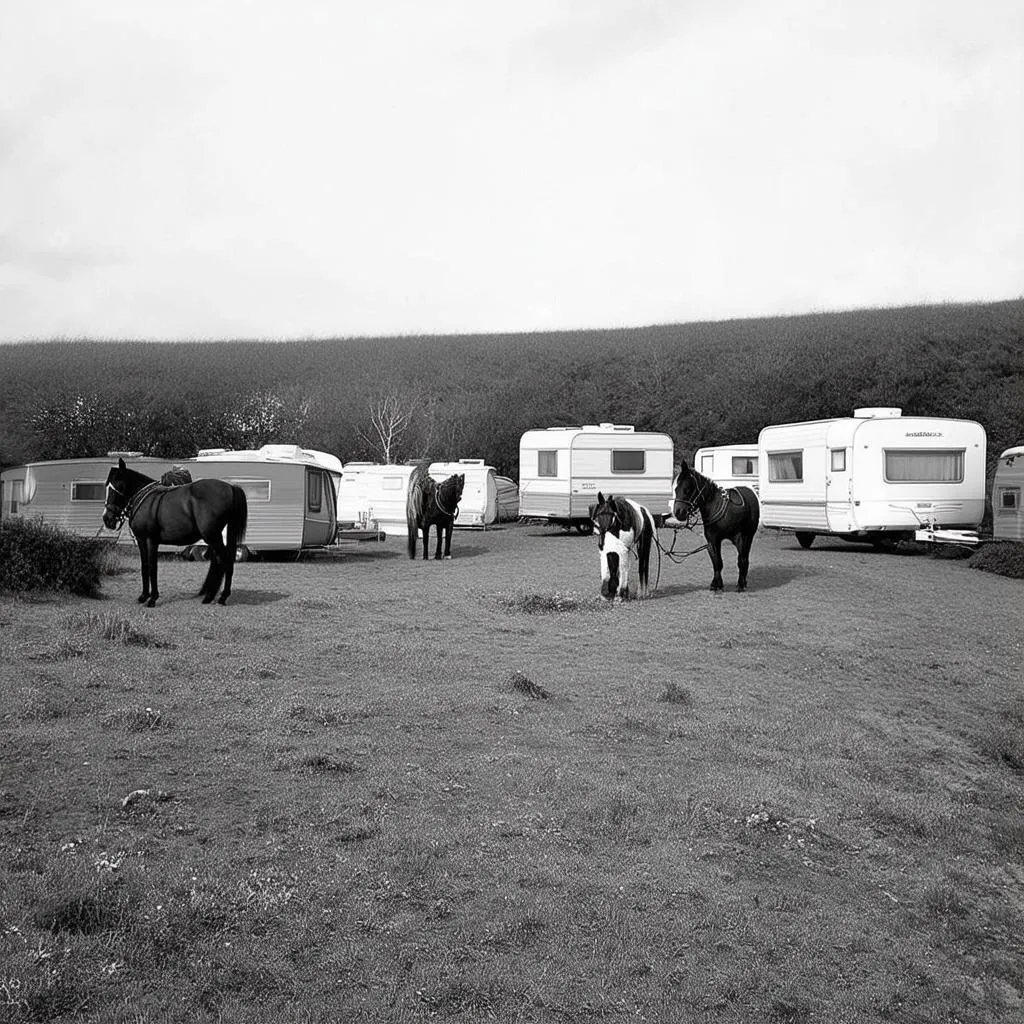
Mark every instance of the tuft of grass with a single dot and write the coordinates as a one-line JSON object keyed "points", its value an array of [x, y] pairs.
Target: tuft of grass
{"points": [[113, 627], [320, 764], [1005, 558], [547, 604], [135, 719], [523, 684], [676, 694]]}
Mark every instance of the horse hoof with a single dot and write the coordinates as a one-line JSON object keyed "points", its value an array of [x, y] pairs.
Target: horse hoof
{"points": [[222, 600], [207, 598], [151, 603]]}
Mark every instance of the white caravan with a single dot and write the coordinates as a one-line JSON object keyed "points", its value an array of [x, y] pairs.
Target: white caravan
{"points": [[291, 492], [372, 497], [561, 470], [1007, 514], [479, 504], [70, 493], [729, 465], [877, 476]]}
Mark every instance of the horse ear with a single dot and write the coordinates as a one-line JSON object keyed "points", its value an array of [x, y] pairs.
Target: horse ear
{"points": [[120, 464], [600, 499], [684, 469]]}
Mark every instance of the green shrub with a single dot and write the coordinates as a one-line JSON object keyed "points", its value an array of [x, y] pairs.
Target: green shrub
{"points": [[1005, 558], [36, 556]]}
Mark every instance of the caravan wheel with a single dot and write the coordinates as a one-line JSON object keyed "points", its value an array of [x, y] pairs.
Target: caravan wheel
{"points": [[805, 540], [584, 527]]}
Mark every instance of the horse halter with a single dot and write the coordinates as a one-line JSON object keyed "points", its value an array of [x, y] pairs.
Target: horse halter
{"points": [[437, 501], [130, 504], [693, 503], [115, 513], [606, 513]]}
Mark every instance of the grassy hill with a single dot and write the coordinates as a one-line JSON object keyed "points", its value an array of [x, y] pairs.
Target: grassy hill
{"points": [[474, 395]]}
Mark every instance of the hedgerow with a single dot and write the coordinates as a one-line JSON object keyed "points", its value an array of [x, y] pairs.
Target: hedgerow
{"points": [[37, 556]]}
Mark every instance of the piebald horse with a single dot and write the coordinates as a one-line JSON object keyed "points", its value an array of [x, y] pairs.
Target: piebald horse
{"points": [[625, 529]]}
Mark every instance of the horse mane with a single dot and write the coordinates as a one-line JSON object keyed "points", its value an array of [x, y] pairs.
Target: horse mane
{"points": [[705, 484]]}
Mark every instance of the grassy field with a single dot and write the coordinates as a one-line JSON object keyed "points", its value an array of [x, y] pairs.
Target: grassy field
{"points": [[370, 789]]}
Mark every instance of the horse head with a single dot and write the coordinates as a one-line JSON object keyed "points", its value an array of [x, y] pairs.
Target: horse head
{"points": [[616, 533], [448, 494], [687, 493], [116, 495]]}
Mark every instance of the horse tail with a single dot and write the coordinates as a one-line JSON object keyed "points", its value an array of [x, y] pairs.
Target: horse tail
{"points": [[645, 538], [239, 521], [413, 501]]}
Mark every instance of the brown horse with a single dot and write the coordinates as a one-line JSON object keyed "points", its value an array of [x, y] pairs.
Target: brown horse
{"points": [[184, 514], [727, 514], [432, 504]]}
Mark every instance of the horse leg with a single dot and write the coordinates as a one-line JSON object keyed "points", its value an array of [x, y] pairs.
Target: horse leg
{"points": [[439, 530], [426, 541], [152, 550], [230, 553], [218, 563], [144, 560], [743, 560], [448, 530], [715, 551]]}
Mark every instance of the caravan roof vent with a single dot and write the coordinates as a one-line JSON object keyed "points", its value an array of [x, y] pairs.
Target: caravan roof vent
{"points": [[281, 451], [124, 455], [471, 462], [205, 453], [879, 413]]}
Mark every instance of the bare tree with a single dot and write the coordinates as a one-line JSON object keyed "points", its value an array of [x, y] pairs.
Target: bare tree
{"points": [[390, 416]]}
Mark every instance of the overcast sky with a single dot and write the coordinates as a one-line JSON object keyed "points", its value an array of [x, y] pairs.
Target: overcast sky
{"points": [[261, 169]]}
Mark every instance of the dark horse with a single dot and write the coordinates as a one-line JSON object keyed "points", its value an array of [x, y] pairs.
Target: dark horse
{"points": [[432, 504], [727, 514], [624, 529], [182, 514]]}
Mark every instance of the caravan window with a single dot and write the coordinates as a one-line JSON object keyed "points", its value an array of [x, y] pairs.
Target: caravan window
{"points": [[629, 461], [314, 492], [1009, 499], [924, 467], [744, 465], [786, 466], [838, 460], [15, 495], [255, 490], [82, 490], [392, 483], [547, 463], [707, 464]]}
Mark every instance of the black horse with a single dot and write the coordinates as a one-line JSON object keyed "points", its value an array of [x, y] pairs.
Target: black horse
{"points": [[183, 514], [727, 514], [432, 504], [624, 529]]}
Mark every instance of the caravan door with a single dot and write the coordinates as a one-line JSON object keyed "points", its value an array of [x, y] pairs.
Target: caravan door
{"points": [[320, 518], [838, 497]]}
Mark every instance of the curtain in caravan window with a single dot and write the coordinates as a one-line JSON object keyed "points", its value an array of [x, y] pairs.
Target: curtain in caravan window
{"points": [[547, 463], [744, 465], [786, 465], [255, 490], [82, 490], [924, 467]]}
